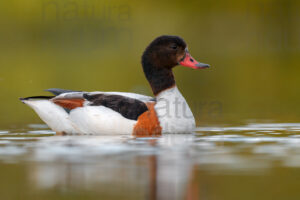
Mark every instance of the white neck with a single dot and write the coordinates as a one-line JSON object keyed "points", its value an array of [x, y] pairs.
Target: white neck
{"points": [[174, 114]]}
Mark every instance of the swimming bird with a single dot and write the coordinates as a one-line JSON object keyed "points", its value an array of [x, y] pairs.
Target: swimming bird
{"points": [[77, 112]]}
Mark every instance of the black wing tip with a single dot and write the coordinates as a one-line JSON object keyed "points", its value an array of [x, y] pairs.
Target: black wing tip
{"points": [[35, 97]]}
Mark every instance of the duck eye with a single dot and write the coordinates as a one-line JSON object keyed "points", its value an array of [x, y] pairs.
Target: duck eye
{"points": [[174, 46]]}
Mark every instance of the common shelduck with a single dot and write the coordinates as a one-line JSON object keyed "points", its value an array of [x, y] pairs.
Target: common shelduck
{"points": [[76, 112]]}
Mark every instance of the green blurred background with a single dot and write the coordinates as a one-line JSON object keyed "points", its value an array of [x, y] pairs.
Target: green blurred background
{"points": [[252, 46]]}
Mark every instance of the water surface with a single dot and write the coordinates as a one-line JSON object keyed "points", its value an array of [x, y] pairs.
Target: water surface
{"points": [[251, 161]]}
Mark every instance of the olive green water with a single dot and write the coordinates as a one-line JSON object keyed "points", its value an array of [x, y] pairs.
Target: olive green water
{"points": [[246, 106]]}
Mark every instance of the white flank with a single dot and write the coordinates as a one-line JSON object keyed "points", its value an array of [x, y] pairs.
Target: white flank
{"points": [[174, 114], [101, 120]]}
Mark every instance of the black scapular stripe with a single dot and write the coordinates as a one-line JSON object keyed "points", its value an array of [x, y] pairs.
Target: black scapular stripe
{"points": [[129, 108]]}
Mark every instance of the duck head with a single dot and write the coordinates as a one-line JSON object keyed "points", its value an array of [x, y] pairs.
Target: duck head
{"points": [[161, 56]]}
